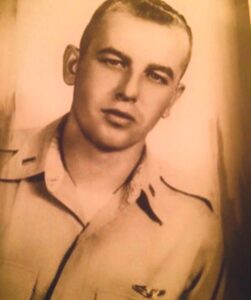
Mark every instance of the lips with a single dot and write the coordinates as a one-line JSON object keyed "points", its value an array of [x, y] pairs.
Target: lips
{"points": [[118, 113]]}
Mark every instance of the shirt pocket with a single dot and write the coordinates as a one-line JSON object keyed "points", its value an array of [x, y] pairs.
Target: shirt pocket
{"points": [[16, 281]]}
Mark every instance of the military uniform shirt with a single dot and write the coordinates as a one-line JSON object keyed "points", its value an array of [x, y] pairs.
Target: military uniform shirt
{"points": [[157, 243]]}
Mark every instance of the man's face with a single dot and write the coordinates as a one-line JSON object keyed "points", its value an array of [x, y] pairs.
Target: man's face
{"points": [[127, 79]]}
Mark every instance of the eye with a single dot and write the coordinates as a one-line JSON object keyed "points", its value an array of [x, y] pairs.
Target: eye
{"points": [[112, 62], [157, 78]]}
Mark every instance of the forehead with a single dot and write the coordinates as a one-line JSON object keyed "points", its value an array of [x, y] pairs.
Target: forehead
{"points": [[143, 40]]}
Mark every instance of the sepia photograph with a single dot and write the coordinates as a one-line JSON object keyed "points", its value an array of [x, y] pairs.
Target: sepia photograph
{"points": [[125, 165]]}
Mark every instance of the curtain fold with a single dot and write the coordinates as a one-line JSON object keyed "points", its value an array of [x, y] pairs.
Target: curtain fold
{"points": [[8, 71], [235, 158], [243, 247]]}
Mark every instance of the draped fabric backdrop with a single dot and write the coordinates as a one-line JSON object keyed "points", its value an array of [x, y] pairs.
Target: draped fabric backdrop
{"points": [[207, 137], [8, 70]]}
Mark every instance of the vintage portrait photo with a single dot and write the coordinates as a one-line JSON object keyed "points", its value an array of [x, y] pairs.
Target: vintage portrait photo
{"points": [[125, 150]]}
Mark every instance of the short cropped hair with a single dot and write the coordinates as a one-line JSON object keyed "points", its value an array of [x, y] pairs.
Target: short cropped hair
{"points": [[157, 11]]}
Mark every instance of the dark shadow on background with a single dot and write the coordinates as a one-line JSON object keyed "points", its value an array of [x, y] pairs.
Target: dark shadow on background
{"points": [[244, 42], [238, 233], [8, 14]]}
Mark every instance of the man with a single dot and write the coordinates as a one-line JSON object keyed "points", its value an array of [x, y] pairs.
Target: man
{"points": [[87, 212]]}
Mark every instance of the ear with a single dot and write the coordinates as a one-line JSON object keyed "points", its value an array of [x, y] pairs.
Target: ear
{"points": [[70, 64], [177, 93]]}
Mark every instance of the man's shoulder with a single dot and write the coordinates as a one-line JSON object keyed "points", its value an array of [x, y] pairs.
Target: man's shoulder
{"points": [[11, 142], [12, 139], [173, 201], [195, 215], [21, 146], [177, 203], [185, 196], [169, 184]]}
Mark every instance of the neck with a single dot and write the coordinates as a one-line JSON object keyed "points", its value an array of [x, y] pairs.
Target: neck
{"points": [[89, 166]]}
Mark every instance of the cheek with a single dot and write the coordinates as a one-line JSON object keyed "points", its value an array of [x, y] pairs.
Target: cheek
{"points": [[98, 81], [155, 100]]}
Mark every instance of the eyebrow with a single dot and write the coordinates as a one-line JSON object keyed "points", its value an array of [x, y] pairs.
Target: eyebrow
{"points": [[116, 52], [167, 70]]}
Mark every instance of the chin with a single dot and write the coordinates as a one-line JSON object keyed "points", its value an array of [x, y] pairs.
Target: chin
{"points": [[110, 140], [111, 144]]}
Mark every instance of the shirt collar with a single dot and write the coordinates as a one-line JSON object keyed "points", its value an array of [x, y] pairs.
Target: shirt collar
{"points": [[146, 181]]}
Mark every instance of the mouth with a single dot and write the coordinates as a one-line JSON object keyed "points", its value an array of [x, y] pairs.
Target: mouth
{"points": [[119, 114]]}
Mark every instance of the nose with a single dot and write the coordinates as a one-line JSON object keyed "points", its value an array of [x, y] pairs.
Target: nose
{"points": [[128, 89]]}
